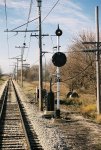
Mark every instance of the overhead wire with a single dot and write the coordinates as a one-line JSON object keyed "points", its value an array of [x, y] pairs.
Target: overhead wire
{"points": [[50, 35], [12, 36], [6, 13], [30, 8], [24, 24], [50, 10], [28, 47], [52, 42], [78, 73], [31, 20], [36, 17], [48, 15], [7, 29]]}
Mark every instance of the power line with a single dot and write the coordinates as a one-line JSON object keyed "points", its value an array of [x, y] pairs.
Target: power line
{"points": [[24, 24], [35, 18], [28, 47], [12, 36], [30, 8], [50, 10], [78, 73], [5, 13], [7, 28]]}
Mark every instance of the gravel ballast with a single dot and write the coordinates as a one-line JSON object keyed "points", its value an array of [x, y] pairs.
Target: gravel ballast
{"points": [[47, 130], [72, 132]]}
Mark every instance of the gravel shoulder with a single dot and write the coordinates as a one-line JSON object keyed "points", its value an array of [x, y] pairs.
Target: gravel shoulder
{"points": [[71, 132]]}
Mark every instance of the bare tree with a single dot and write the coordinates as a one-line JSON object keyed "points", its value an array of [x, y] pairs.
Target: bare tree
{"points": [[80, 68]]}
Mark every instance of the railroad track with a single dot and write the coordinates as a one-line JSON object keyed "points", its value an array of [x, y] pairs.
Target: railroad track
{"points": [[16, 131]]}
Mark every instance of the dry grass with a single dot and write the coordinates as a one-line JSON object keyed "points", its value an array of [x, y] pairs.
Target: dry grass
{"points": [[98, 119], [89, 110], [2, 80], [88, 99], [63, 90], [98, 146], [30, 88], [86, 103]]}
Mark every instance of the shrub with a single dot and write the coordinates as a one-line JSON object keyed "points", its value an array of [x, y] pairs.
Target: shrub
{"points": [[73, 101], [89, 110]]}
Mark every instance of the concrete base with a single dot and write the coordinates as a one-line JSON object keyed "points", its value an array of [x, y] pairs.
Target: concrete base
{"points": [[48, 112], [57, 113], [58, 120]]}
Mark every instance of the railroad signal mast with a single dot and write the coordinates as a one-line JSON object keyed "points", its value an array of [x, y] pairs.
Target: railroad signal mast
{"points": [[58, 33], [97, 51], [58, 59], [17, 59], [14, 71]]}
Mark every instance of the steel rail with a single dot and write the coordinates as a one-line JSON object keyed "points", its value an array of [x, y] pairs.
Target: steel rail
{"points": [[15, 123], [3, 98], [24, 128]]}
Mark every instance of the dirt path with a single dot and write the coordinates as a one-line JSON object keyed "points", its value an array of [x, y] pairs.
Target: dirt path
{"points": [[80, 134]]}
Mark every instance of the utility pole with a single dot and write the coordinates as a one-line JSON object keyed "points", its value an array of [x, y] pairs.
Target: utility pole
{"points": [[97, 51], [98, 64], [26, 65], [22, 52], [26, 68], [40, 57], [40, 35], [17, 31], [17, 58], [14, 71], [17, 67]]}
